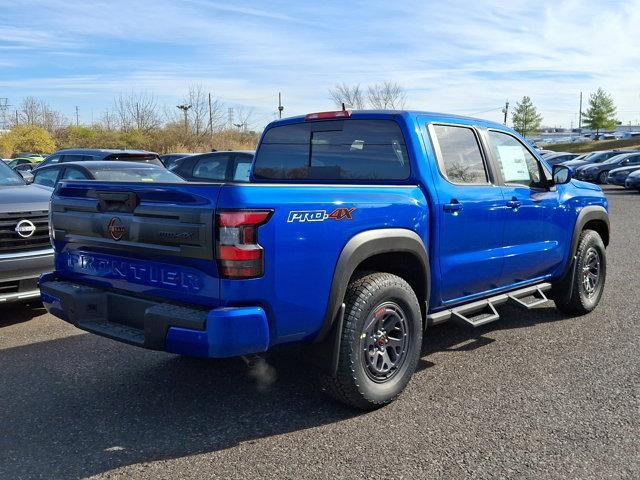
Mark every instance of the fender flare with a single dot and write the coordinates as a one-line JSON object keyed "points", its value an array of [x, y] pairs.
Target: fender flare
{"points": [[587, 214], [359, 248]]}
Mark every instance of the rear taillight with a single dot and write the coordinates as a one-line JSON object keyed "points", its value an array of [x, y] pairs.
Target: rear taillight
{"points": [[238, 252]]}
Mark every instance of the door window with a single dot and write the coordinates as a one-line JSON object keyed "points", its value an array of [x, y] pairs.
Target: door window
{"points": [[517, 164], [74, 174], [459, 155], [47, 177], [212, 168], [242, 170]]}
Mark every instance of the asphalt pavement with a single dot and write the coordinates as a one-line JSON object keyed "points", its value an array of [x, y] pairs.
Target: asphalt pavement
{"points": [[535, 395]]}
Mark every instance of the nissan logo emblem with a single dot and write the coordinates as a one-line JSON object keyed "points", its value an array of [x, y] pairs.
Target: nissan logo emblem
{"points": [[25, 228], [116, 229]]}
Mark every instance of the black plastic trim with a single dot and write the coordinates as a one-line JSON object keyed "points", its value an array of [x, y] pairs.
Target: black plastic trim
{"points": [[587, 214], [363, 246]]}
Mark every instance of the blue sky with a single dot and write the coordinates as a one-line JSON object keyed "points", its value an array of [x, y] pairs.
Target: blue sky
{"points": [[453, 56]]}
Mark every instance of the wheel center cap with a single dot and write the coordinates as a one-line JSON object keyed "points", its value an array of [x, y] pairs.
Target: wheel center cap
{"points": [[382, 341]]}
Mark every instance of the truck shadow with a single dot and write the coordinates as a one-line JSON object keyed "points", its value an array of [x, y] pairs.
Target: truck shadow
{"points": [[83, 405], [20, 312]]}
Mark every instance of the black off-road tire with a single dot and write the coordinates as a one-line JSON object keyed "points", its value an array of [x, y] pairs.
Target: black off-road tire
{"points": [[367, 296], [571, 294]]}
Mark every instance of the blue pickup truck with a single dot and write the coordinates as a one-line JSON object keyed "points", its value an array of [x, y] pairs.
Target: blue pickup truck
{"points": [[357, 233]]}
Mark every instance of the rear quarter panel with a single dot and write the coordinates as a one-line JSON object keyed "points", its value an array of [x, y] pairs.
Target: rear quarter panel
{"points": [[300, 256]]}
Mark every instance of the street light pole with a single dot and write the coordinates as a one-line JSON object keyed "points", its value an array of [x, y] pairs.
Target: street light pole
{"points": [[184, 107]]}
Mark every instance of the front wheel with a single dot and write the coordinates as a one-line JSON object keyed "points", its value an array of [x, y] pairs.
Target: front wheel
{"points": [[381, 341], [581, 289], [602, 177]]}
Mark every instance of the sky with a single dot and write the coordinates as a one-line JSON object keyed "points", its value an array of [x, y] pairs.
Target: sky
{"points": [[450, 56]]}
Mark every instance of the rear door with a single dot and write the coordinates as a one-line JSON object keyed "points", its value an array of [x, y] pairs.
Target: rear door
{"points": [[470, 224]]}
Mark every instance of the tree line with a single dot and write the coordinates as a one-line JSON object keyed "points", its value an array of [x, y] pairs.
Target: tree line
{"points": [[139, 121], [135, 120]]}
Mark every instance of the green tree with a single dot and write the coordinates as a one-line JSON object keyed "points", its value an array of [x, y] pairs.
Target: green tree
{"points": [[526, 119], [28, 138], [601, 114]]}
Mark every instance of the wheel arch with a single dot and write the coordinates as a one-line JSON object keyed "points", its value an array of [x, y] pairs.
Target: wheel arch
{"points": [[392, 250], [592, 217]]}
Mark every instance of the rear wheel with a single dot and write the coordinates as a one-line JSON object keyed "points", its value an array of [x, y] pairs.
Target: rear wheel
{"points": [[381, 341], [580, 291]]}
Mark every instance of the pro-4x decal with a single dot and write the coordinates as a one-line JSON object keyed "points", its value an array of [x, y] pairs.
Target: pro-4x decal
{"points": [[320, 215]]}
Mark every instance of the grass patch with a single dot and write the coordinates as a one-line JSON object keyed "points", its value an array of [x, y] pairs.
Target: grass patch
{"points": [[584, 147]]}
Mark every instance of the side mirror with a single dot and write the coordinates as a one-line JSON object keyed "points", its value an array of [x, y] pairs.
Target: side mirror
{"points": [[561, 174]]}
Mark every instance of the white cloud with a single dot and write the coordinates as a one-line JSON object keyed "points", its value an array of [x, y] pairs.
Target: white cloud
{"points": [[457, 56]]}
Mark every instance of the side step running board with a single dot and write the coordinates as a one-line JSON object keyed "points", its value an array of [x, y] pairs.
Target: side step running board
{"points": [[482, 312]]}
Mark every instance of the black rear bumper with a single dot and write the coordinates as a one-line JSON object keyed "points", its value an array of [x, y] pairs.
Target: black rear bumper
{"points": [[118, 316]]}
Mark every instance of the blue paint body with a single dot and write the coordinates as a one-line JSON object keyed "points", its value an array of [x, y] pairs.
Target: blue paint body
{"points": [[483, 249]]}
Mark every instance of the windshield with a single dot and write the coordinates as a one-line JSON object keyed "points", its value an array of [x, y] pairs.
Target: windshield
{"points": [[150, 175], [8, 177], [615, 159]]}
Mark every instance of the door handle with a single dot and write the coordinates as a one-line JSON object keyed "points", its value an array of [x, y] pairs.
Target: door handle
{"points": [[513, 203], [453, 206]]}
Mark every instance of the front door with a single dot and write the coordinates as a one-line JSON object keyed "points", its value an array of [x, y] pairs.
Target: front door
{"points": [[470, 221], [534, 230]]}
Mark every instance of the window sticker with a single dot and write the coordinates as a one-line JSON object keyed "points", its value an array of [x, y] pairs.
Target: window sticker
{"points": [[514, 164]]}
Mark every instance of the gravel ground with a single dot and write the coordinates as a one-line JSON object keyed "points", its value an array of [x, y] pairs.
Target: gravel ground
{"points": [[535, 395]]}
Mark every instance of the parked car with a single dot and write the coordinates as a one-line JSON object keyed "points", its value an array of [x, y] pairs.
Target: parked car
{"points": [[598, 172], [559, 157], [25, 250], [89, 154], [595, 157], [618, 176], [232, 166], [633, 180], [357, 231], [544, 153], [170, 159], [35, 157], [107, 171], [26, 170]]}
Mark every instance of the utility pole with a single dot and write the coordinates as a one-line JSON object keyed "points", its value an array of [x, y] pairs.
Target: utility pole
{"points": [[210, 117], [77, 117], [137, 115], [580, 116], [505, 110], [17, 118], [280, 107], [185, 108]]}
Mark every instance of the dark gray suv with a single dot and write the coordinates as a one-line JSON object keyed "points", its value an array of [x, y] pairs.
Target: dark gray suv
{"points": [[25, 250]]}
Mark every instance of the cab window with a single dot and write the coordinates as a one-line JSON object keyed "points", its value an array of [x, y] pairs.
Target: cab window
{"points": [[517, 164], [459, 155]]}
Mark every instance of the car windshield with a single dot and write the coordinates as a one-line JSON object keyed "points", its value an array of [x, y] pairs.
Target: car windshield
{"points": [[615, 159], [150, 175], [133, 157], [8, 177]]}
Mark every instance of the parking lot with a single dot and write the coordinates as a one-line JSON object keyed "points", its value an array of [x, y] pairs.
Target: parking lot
{"points": [[534, 395]]}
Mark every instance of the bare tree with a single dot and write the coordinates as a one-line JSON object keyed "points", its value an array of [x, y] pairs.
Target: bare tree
{"points": [[206, 114], [387, 95], [35, 111], [242, 118], [109, 120], [137, 111], [351, 96]]}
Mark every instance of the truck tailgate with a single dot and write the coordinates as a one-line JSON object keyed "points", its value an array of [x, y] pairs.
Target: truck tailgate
{"points": [[156, 240]]}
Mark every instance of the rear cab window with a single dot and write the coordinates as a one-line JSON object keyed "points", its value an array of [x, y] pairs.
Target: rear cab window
{"points": [[333, 150], [459, 154]]}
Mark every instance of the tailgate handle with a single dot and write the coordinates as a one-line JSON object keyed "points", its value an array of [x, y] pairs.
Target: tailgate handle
{"points": [[117, 202]]}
